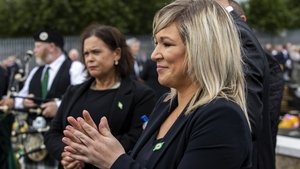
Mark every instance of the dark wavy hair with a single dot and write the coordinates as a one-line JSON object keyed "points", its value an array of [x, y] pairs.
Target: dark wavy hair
{"points": [[114, 39]]}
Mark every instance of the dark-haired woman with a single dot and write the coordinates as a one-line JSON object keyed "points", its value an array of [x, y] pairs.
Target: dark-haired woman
{"points": [[109, 92]]}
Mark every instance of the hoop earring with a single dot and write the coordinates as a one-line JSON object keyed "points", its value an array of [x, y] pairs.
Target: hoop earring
{"points": [[116, 62]]}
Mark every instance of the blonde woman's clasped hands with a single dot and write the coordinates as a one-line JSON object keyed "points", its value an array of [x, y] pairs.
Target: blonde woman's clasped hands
{"points": [[91, 144]]}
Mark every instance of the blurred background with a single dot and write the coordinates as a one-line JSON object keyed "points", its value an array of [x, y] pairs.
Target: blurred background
{"points": [[276, 24]]}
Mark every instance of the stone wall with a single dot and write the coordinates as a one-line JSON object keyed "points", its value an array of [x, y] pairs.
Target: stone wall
{"points": [[287, 162]]}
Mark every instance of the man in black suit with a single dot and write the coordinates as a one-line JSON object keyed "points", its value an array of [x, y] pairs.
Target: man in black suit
{"points": [[257, 79], [276, 82]]}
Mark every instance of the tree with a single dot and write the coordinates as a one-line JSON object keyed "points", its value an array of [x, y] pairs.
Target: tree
{"points": [[270, 16], [294, 10], [23, 17]]}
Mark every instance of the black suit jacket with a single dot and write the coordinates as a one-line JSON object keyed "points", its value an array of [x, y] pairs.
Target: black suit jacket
{"points": [[214, 136], [257, 82], [125, 124]]}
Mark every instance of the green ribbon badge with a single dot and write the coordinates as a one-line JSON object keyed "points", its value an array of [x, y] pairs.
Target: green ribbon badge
{"points": [[158, 146], [120, 105]]}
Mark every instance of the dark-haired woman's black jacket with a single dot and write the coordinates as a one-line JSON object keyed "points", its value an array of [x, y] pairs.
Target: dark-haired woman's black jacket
{"points": [[136, 98]]}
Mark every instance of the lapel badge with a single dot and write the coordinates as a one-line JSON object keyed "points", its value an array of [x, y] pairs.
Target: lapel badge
{"points": [[120, 105], [158, 146]]}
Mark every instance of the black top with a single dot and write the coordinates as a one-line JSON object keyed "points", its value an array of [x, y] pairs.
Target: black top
{"points": [[149, 150], [96, 102], [214, 136]]}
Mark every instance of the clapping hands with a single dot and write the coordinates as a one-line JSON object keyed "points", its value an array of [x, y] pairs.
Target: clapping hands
{"points": [[91, 144]]}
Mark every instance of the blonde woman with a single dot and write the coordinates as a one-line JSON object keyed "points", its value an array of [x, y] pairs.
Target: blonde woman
{"points": [[203, 122]]}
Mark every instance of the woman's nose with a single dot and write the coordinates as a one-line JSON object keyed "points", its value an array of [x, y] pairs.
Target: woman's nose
{"points": [[156, 54], [88, 58]]}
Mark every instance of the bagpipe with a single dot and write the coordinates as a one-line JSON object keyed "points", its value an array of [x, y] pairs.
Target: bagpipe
{"points": [[28, 134], [17, 76], [27, 137], [34, 110], [19, 73], [31, 142]]}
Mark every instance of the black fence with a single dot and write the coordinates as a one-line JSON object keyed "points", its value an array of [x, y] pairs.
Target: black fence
{"points": [[19, 46], [292, 36]]}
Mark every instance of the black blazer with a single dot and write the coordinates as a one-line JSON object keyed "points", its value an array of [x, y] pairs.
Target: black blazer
{"points": [[137, 100], [214, 136], [257, 82]]}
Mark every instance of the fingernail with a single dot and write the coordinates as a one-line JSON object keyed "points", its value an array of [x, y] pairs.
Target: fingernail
{"points": [[67, 153], [66, 149], [65, 139], [80, 119]]}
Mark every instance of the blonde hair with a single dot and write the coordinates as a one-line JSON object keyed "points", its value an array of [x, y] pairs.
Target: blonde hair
{"points": [[213, 58]]}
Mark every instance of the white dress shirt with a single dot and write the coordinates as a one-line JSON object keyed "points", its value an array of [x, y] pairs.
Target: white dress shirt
{"points": [[77, 74]]}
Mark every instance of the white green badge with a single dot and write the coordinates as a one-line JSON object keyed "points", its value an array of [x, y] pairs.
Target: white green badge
{"points": [[120, 105], [158, 146]]}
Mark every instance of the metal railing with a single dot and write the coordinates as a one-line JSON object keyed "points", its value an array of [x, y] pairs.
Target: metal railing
{"points": [[19, 46]]}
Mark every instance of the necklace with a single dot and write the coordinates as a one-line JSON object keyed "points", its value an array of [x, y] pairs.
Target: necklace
{"points": [[116, 85]]}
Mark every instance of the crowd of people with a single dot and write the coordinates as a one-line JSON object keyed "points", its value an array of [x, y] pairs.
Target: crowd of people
{"points": [[288, 55], [205, 99]]}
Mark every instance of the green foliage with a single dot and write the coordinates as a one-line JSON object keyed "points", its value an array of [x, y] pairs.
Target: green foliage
{"points": [[294, 9], [23, 17], [273, 16]]}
